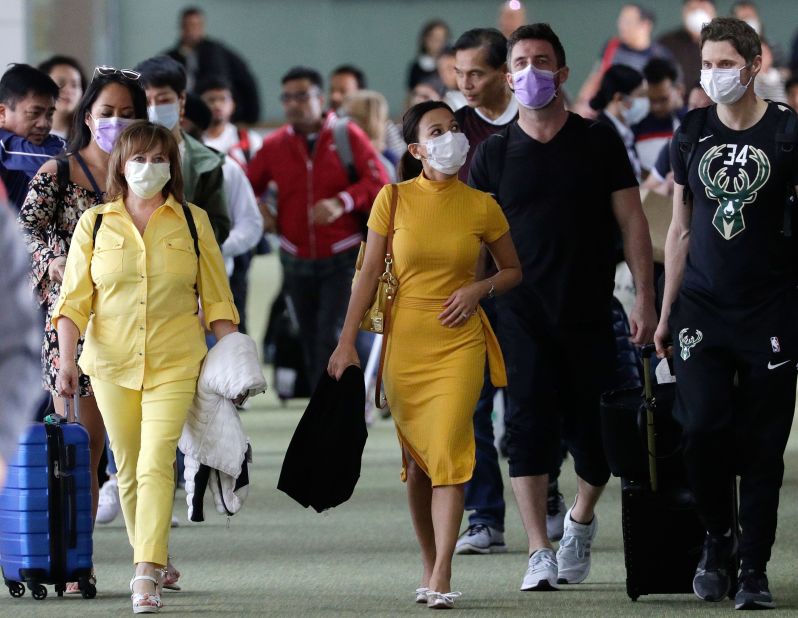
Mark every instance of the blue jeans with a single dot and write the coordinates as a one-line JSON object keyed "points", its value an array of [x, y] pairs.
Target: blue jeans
{"points": [[484, 493]]}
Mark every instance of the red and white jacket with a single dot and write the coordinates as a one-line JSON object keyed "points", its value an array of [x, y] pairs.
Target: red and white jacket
{"points": [[302, 180]]}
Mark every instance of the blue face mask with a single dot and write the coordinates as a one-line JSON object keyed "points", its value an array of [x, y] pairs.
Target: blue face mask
{"points": [[167, 114]]}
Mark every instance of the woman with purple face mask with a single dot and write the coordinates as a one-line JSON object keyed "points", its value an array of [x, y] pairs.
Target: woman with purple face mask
{"points": [[58, 195]]}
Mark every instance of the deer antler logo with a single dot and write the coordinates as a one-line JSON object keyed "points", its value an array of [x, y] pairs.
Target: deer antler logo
{"points": [[688, 342], [728, 219]]}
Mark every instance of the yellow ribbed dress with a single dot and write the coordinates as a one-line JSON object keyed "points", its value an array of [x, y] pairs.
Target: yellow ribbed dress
{"points": [[433, 374]]}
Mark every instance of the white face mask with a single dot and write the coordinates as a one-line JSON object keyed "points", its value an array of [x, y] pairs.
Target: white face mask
{"points": [[146, 179], [723, 85], [696, 19], [447, 153], [639, 110], [167, 114]]}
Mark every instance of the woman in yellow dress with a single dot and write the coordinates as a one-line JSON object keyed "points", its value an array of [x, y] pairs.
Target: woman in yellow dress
{"points": [[439, 336]]}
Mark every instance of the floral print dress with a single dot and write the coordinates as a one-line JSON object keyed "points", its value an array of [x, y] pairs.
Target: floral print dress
{"points": [[48, 219]]}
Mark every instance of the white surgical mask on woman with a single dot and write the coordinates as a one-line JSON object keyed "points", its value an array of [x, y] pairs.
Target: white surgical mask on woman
{"points": [[638, 110], [146, 179], [447, 153], [723, 85]]}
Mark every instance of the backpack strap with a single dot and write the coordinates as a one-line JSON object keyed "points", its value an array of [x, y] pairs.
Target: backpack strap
{"points": [[243, 143], [495, 152], [344, 148], [609, 53], [786, 139], [689, 134], [192, 227], [97, 223]]}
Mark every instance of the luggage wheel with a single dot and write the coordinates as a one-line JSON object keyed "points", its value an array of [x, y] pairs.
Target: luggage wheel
{"points": [[38, 591], [16, 589]]}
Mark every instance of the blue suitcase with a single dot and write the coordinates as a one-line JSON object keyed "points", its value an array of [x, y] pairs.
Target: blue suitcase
{"points": [[45, 511]]}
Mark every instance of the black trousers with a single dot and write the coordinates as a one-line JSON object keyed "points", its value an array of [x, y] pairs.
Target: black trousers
{"points": [[239, 286], [555, 381], [735, 398], [319, 291]]}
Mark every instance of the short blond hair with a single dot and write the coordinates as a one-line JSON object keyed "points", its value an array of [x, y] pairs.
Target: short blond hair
{"points": [[369, 110], [142, 137]]}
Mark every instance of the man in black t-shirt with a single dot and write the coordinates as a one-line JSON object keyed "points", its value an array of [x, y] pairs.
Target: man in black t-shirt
{"points": [[729, 305], [564, 183], [481, 66]]}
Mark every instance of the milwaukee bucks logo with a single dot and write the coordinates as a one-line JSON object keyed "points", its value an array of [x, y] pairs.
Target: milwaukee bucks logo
{"points": [[687, 342], [728, 219]]}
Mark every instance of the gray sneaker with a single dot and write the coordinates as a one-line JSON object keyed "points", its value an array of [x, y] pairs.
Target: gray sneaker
{"points": [[555, 515], [753, 591], [480, 539], [541, 574], [573, 557]]}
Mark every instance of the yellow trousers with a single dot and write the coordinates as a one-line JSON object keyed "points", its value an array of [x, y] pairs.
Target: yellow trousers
{"points": [[143, 428]]}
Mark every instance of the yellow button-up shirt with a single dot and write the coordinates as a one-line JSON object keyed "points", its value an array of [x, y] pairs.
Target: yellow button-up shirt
{"points": [[134, 297]]}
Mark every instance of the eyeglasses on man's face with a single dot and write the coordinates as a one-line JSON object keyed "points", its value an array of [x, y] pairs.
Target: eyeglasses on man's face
{"points": [[300, 97]]}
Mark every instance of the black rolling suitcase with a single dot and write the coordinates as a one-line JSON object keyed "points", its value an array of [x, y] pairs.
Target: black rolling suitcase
{"points": [[662, 533]]}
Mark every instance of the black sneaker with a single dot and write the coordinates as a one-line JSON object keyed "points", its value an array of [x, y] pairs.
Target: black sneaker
{"points": [[712, 580], [753, 592]]}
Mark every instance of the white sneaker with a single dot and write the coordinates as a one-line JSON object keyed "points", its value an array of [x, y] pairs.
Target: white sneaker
{"points": [[108, 506], [573, 557], [555, 516], [421, 595], [541, 574], [480, 539]]}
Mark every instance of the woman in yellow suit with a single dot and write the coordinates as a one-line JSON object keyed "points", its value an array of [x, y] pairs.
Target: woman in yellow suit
{"points": [[439, 336], [135, 270]]}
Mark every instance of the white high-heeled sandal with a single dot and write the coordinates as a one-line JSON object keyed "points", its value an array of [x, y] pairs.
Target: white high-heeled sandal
{"points": [[145, 602]]}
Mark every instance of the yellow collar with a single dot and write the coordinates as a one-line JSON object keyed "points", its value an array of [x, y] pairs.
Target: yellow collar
{"points": [[118, 205]]}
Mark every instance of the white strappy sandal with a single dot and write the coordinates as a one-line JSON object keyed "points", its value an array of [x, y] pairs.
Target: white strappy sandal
{"points": [[145, 602]]}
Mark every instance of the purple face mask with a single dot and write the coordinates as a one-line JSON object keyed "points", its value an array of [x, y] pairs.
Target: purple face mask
{"points": [[107, 130], [534, 88]]}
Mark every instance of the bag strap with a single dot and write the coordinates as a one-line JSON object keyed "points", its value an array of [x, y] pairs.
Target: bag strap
{"points": [[609, 53], [786, 138], [690, 132], [192, 227], [97, 223], [344, 148], [89, 175], [389, 302], [243, 143], [495, 151]]}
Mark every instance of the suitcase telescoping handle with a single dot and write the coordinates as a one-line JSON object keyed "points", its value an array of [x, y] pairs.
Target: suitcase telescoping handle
{"points": [[72, 408], [647, 352]]}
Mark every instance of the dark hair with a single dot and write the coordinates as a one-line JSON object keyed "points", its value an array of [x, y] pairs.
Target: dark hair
{"points": [[492, 40], [619, 78], [657, 70], [646, 14], [427, 28], [143, 136], [190, 11], [712, 2], [790, 83], [312, 75], [742, 37], [197, 111], [22, 80], [213, 83], [57, 60], [448, 50], [162, 71], [81, 134], [434, 82], [540, 32], [350, 69], [409, 166]]}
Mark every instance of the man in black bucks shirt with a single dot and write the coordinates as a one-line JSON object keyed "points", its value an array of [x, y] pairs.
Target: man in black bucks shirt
{"points": [[730, 308], [564, 183]]}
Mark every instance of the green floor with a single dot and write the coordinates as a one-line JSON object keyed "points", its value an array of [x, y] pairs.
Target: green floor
{"points": [[278, 559]]}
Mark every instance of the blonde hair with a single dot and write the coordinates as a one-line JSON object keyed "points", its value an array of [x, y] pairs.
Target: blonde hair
{"points": [[142, 137], [369, 110]]}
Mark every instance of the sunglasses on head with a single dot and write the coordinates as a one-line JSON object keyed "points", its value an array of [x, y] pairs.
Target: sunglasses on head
{"points": [[106, 70]]}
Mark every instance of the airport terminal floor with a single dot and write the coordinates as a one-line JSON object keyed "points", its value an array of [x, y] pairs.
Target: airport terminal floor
{"points": [[278, 559]]}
